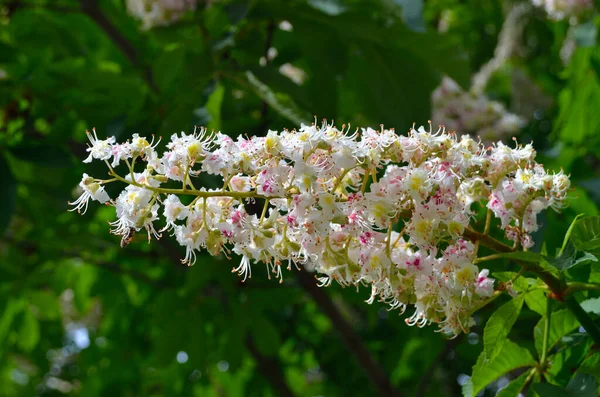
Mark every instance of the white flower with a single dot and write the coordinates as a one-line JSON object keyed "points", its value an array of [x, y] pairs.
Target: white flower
{"points": [[91, 190], [369, 207], [100, 149]]}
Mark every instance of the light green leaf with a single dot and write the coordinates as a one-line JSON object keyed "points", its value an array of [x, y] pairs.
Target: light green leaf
{"points": [[561, 324], [29, 333], [499, 325], [486, 371], [213, 106], [46, 303], [536, 301], [12, 308]]}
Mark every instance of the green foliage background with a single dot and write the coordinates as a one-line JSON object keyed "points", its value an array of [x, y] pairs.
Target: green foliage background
{"points": [[81, 315]]}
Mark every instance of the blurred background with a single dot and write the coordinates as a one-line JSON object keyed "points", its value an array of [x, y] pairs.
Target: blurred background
{"points": [[80, 316]]}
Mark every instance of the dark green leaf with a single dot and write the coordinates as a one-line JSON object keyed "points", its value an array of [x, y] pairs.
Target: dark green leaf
{"points": [[44, 155], [168, 67], [8, 194], [548, 390], [281, 103], [514, 387], [265, 336], [583, 385], [591, 365]]}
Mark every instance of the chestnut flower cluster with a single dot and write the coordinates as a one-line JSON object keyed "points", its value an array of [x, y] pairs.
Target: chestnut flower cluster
{"points": [[368, 207], [561, 9], [474, 114], [159, 12]]}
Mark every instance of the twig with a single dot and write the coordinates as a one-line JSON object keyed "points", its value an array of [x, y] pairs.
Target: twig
{"points": [[349, 336], [91, 9], [270, 368]]}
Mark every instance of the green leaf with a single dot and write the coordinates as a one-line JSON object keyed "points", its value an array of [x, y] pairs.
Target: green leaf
{"points": [[562, 323], [281, 103], [568, 258], [29, 333], [499, 325], [536, 301], [583, 385], [43, 155], [486, 371], [265, 335], [46, 303], [213, 106], [569, 232], [10, 311], [8, 194], [591, 305], [514, 387], [548, 390], [586, 234], [168, 67], [591, 365]]}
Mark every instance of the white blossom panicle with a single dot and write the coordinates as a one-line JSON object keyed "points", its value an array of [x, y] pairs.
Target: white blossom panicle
{"points": [[159, 12], [562, 9], [472, 114], [365, 207]]}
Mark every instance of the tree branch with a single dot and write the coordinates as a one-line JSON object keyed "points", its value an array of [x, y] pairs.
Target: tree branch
{"points": [[91, 9], [270, 368], [349, 336]]}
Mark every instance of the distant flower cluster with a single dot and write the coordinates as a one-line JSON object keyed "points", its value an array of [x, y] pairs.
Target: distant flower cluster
{"points": [[159, 12], [368, 207], [561, 9], [473, 114]]}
